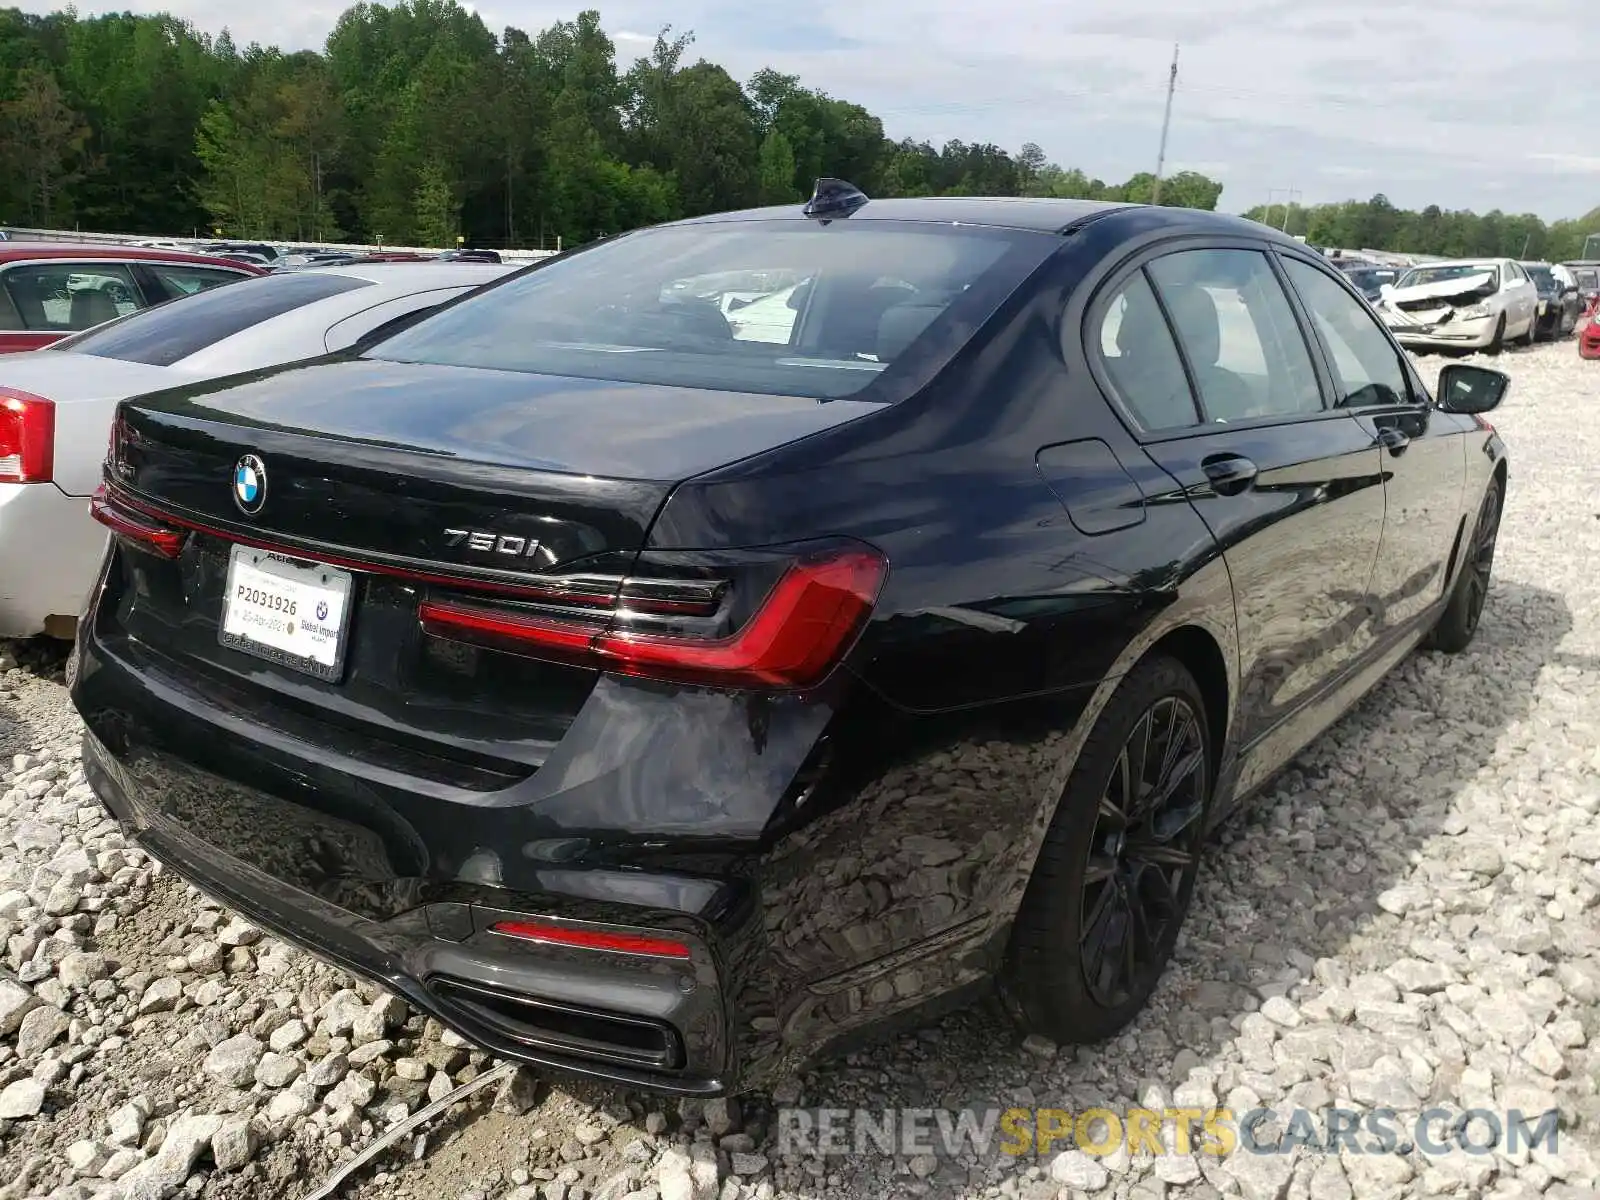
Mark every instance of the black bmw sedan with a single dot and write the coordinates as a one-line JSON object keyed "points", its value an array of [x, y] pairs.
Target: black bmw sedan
{"points": [[694, 651]]}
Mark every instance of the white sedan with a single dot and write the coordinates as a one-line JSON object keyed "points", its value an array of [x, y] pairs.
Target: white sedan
{"points": [[1463, 304], [57, 404]]}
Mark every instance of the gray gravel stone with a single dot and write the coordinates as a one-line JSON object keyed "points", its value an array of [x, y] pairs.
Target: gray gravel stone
{"points": [[22, 1098], [234, 1061], [234, 1144]]}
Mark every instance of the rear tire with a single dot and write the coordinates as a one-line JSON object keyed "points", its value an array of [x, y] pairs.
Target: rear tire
{"points": [[1459, 622], [1117, 870]]}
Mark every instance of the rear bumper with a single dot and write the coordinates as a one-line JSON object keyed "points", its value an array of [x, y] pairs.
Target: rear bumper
{"points": [[50, 549], [827, 865], [655, 1023]]}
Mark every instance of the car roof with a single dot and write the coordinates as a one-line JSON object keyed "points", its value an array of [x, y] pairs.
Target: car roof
{"points": [[17, 251], [416, 277], [1039, 214], [1043, 214]]}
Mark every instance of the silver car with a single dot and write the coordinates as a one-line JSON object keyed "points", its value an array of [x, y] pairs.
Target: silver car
{"points": [[1462, 304], [59, 402]]}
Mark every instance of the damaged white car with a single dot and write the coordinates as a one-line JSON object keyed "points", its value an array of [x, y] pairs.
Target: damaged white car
{"points": [[1464, 304]]}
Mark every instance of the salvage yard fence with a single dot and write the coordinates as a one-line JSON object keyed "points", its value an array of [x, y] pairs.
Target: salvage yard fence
{"points": [[17, 234]]}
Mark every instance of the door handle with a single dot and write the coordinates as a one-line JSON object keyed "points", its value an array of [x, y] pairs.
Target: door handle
{"points": [[1392, 440], [1229, 474]]}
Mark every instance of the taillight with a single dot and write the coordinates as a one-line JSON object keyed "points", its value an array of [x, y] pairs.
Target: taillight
{"points": [[720, 632], [137, 528], [27, 437]]}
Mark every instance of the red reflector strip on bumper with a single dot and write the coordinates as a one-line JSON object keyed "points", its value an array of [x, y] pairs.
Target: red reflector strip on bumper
{"points": [[587, 939], [158, 539]]}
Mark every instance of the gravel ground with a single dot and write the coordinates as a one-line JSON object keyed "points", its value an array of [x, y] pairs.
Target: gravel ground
{"points": [[1408, 918]]}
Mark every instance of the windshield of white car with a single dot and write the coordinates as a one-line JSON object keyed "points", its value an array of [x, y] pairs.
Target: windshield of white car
{"points": [[1421, 276], [784, 308], [1368, 278], [166, 333]]}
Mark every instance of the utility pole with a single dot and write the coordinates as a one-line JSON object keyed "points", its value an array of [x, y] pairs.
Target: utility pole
{"points": [[1166, 122], [1290, 195]]}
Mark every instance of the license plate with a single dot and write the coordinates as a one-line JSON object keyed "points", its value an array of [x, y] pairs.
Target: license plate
{"points": [[293, 613], [1543, 304]]}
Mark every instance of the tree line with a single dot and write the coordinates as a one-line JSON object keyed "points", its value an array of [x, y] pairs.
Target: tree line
{"points": [[416, 124], [1376, 224]]}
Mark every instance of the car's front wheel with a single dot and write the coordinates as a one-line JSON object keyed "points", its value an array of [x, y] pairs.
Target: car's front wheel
{"points": [[1459, 621], [1114, 878], [1498, 341]]}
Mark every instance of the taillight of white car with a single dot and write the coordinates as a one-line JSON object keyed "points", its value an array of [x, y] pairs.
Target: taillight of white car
{"points": [[27, 437]]}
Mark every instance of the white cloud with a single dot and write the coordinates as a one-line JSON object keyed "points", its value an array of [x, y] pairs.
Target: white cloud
{"points": [[1576, 164], [1397, 96]]}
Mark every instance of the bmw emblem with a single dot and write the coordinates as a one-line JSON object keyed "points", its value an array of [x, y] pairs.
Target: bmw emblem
{"points": [[250, 484]]}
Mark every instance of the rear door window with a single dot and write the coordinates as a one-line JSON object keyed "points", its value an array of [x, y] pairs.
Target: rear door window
{"points": [[173, 331], [60, 297], [1139, 355], [180, 279]]}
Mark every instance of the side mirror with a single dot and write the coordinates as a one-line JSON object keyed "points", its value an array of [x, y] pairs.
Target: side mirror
{"points": [[1465, 389], [1385, 290]]}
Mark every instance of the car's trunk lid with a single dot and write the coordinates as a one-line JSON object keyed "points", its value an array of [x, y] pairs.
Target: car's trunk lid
{"points": [[412, 483], [384, 458]]}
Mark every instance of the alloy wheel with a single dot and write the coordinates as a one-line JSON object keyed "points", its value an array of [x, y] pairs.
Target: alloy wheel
{"points": [[1144, 851], [1481, 564]]}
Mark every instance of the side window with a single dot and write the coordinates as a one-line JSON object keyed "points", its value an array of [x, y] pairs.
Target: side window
{"points": [[179, 279], [1366, 366], [1136, 347], [1514, 274], [1239, 334], [67, 296]]}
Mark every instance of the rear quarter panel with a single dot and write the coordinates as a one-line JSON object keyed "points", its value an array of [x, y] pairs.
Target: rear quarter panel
{"points": [[896, 860]]}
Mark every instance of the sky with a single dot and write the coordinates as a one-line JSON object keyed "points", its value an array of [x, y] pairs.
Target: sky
{"points": [[1475, 106]]}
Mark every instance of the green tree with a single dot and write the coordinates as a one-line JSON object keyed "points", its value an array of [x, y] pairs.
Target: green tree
{"points": [[438, 212], [775, 170], [43, 139]]}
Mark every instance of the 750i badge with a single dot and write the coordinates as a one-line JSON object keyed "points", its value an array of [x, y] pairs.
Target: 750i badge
{"points": [[498, 543]]}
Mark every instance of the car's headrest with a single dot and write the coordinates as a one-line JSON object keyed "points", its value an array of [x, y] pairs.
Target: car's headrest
{"points": [[902, 325], [1194, 313], [92, 306]]}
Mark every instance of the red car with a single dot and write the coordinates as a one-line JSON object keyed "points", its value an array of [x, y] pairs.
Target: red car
{"points": [[1589, 331], [51, 289]]}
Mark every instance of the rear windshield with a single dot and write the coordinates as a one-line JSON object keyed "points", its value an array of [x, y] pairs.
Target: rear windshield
{"points": [[776, 307], [1542, 278], [160, 336]]}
